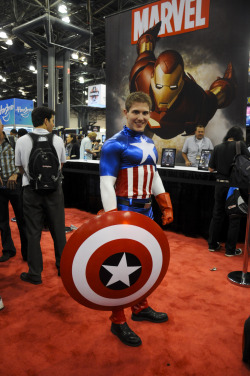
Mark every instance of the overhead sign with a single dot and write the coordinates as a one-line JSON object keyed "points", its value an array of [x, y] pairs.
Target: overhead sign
{"points": [[16, 111], [23, 109], [115, 260], [176, 16]]}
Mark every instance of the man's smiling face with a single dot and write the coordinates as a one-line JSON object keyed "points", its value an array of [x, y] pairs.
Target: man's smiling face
{"points": [[137, 116]]}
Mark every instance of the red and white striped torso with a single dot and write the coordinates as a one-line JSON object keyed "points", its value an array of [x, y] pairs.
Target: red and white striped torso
{"points": [[135, 182]]}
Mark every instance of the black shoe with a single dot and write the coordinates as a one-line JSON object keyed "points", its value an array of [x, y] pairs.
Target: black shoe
{"points": [[6, 256], [148, 314], [237, 252], [125, 334], [1, 303], [217, 247], [27, 278]]}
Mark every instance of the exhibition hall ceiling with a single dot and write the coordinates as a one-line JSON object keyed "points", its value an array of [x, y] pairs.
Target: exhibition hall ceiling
{"points": [[28, 25]]}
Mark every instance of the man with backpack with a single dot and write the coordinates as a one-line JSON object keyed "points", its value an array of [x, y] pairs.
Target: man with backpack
{"points": [[40, 156], [221, 161]]}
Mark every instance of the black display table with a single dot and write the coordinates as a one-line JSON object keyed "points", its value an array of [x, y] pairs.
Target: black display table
{"points": [[191, 192]]}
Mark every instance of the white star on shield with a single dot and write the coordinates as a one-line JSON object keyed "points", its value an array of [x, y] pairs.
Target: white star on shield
{"points": [[147, 149], [120, 272]]}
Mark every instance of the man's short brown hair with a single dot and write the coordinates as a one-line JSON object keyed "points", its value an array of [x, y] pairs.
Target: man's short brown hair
{"points": [[140, 97]]}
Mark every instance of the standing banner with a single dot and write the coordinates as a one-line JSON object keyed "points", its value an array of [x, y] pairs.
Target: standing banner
{"points": [[191, 57]]}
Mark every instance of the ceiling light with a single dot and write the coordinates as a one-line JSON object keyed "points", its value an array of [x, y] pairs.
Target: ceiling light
{"points": [[74, 56], [62, 8], [66, 19], [1, 77], [9, 42], [4, 48], [32, 68], [81, 79], [3, 35], [35, 71], [4, 79], [85, 63], [46, 85]]}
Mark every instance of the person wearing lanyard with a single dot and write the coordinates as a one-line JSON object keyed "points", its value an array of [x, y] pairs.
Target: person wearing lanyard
{"points": [[193, 146]]}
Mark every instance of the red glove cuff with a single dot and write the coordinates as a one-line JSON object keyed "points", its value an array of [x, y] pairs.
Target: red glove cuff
{"points": [[164, 202]]}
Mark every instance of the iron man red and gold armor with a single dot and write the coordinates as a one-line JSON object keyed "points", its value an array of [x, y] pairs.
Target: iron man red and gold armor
{"points": [[179, 103]]}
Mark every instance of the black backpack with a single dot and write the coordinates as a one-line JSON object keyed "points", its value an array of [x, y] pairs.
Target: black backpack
{"points": [[240, 169], [235, 205], [44, 165]]}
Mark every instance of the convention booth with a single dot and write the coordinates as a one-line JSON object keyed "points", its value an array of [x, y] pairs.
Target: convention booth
{"points": [[191, 191]]}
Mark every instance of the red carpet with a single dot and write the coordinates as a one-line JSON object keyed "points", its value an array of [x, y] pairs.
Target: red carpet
{"points": [[44, 332]]}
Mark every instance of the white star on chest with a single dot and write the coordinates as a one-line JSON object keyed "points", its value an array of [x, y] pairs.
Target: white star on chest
{"points": [[121, 272], [147, 149]]}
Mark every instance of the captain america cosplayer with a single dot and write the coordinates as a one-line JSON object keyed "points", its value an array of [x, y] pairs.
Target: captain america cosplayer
{"points": [[128, 178]]}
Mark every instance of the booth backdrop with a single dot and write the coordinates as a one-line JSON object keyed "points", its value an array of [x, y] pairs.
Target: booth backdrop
{"points": [[206, 51]]}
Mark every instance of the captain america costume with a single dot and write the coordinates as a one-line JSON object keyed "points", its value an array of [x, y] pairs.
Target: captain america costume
{"points": [[130, 157]]}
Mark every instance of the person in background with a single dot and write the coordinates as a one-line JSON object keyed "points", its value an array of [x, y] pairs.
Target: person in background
{"points": [[72, 147], [193, 146], [86, 151], [21, 132], [221, 161], [10, 191], [79, 139], [35, 205], [97, 147], [131, 153], [13, 132]]}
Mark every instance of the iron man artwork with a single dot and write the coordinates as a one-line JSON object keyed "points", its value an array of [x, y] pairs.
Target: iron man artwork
{"points": [[179, 103]]}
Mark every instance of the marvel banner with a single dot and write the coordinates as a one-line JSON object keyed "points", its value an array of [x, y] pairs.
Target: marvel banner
{"points": [[190, 56]]}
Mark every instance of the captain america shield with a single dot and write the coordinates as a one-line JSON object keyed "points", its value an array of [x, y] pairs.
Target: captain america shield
{"points": [[114, 260]]}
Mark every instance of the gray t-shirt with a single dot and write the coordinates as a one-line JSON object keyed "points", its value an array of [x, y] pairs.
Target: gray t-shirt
{"points": [[86, 144], [193, 147]]}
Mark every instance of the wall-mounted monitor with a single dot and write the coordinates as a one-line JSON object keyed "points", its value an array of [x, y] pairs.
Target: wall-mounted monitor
{"points": [[97, 96]]}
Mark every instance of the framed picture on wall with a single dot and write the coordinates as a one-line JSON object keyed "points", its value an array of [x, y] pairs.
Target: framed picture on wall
{"points": [[168, 157]]}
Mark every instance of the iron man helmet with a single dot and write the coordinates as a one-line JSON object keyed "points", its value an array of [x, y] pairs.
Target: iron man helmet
{"points": [[167, 79]]}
